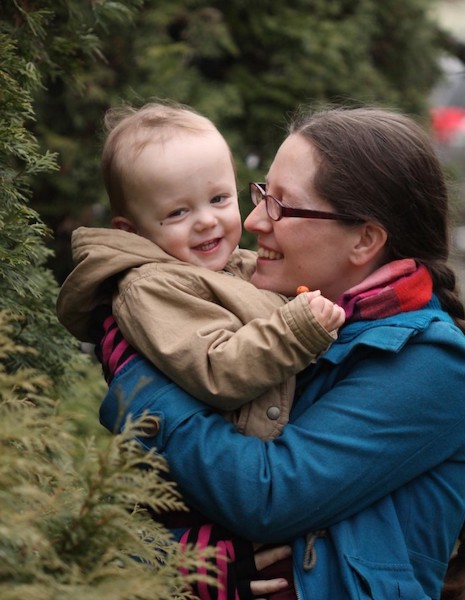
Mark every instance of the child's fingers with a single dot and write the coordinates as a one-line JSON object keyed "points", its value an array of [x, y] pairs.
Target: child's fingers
{"points": [[340, 315], [312, 295], [318, 304], [330, 315]]}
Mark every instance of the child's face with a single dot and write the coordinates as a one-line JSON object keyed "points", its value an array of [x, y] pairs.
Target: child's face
{"points": [[183, 197]]}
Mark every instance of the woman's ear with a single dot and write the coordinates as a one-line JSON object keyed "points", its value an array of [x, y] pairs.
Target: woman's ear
{"points": [[123, 223], [370, 245]]}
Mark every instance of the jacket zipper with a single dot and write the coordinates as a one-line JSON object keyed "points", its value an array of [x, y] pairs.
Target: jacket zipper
{"points": [[298, 593]]}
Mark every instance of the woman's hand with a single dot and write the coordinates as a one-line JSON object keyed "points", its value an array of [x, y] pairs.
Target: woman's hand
{"points": [[263, 559], [245, 570]]}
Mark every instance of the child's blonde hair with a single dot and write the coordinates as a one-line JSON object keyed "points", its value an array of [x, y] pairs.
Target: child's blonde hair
{"points": [[129, 130]]}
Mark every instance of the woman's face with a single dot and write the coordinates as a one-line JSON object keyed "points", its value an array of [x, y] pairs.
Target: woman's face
{"points": [[297, 251]]}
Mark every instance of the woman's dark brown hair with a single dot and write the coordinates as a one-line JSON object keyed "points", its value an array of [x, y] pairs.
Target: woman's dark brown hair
{"points": [[380, 165]]}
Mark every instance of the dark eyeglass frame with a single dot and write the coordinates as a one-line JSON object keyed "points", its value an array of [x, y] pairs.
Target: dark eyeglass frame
{"points": [[287, 211]]}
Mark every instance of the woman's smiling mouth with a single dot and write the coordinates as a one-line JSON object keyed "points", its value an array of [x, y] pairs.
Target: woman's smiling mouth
{"points": [[269, 254]]}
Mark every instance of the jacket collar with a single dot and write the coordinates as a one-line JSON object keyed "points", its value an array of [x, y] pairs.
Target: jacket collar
{"points": [[390, 333]]}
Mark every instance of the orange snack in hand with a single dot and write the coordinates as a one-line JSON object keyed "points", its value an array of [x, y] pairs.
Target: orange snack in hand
{"points": [[302, 289]]}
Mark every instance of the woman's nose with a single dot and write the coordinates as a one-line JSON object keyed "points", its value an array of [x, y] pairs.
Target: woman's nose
{"points": [[258, 219]]}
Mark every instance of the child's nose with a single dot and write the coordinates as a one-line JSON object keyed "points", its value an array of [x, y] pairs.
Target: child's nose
{"points": [[205, 219]]}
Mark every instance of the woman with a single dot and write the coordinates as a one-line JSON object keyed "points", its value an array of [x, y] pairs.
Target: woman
{"points": [[368, 478]]}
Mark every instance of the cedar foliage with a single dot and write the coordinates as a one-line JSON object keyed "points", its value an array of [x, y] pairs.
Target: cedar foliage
{"points": [[26, 288], [70, 520], [71, 517]]}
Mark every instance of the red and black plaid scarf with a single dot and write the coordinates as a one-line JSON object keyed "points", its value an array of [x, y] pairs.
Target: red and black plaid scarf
{"points": [[399, 286]]}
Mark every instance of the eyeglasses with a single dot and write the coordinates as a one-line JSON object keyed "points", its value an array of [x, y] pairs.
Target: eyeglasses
{"points": [[276, 210]]}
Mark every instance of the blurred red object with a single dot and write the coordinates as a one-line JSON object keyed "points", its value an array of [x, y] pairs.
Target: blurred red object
{"points": [[447, 112], [447, 122]]}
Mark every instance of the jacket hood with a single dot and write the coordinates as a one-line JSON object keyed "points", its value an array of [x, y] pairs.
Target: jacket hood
{"points": [[100, 255]]}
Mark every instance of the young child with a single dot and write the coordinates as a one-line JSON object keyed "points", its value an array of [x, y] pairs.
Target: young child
{"points": [[179, 289], [178, 284]]}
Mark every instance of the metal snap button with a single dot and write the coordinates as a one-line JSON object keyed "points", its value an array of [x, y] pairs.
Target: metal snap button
{"points": [[273, 413]]}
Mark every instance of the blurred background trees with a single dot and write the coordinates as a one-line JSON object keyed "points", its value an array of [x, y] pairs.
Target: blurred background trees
{"points": [[66, 528]]}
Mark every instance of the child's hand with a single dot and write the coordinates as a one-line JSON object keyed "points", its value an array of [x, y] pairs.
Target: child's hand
{"points": [[329, 315]]}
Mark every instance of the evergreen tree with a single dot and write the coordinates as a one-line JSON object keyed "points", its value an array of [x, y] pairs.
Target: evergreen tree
{"points": [[27, 289], [70, 513], [248, 65]]}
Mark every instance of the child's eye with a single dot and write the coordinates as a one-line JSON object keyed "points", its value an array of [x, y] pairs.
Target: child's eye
{"points": [[218, 199], [177, 213]]}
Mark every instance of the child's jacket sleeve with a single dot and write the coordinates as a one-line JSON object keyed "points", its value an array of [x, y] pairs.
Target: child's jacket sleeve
{"points": [[215, 334]]}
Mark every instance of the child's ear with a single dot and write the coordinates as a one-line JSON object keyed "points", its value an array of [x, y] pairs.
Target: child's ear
{"points": [[123, 223]]}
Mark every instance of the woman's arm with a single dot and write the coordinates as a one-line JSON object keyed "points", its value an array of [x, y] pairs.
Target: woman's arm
{"points": [[393, 417]]}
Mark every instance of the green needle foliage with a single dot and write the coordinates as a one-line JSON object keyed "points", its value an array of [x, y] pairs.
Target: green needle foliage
{"points": [[26, 287], [71, 522]]}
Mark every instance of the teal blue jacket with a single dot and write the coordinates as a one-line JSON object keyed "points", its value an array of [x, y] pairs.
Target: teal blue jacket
{"points": [[374, 454]]}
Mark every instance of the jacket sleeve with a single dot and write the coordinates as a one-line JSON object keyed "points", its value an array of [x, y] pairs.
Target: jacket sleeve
{"points": [[392, 418], [222, 339]]}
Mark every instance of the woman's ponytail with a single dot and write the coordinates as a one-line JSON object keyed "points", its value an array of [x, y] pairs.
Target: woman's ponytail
{"points": [[445, 286]]}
